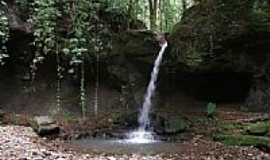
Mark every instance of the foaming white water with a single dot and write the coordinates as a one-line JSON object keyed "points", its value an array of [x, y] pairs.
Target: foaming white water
{"points": [[142, 136]]}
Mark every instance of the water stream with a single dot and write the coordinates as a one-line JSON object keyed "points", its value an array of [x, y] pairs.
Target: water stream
{"points": [[141, 140], [143, 135]]}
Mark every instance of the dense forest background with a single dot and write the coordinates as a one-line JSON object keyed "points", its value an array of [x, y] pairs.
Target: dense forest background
{"points": [[63, 47], [76, 30]]}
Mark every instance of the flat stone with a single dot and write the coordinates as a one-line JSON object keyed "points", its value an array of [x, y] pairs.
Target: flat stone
{"points": [[45, 125], [43, 120]]}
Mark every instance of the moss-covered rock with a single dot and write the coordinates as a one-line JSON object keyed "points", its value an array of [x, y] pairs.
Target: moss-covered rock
{"points": [[227, 36], [169, 125], [136, 43], [218, 35], [244, 140], [259, 128]]}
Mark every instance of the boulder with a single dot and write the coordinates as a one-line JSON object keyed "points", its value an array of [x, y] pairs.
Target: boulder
{"points": [[212, 39], [135, 43], [127, 120], [45, 125], [169, 125]]}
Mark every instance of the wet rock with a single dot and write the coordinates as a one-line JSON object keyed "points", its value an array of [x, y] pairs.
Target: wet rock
{"points": [[128, 120], [175, 125], [45, 125], [258, 99], [210, 39], [138, 43], [170, 125]]}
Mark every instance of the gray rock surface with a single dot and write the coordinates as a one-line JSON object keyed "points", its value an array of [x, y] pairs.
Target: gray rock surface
{"points": [[45, 125]]}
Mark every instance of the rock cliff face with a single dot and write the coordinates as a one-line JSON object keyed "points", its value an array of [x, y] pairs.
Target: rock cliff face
{"points": [[227, 36], [218, 52], [124, 64]]}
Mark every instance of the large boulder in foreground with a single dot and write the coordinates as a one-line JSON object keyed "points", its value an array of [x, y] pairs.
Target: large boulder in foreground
{"points": [[45, 125]]}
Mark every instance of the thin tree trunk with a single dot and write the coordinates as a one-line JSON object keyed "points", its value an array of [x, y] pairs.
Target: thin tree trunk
{"points": [[184, 6], [59, 77], [82, 92], [153, 6], [132, 4], [161, 14]]}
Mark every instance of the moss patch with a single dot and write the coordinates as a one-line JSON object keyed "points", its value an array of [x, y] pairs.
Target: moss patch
{"points": [[259, 128], [244, 140]]}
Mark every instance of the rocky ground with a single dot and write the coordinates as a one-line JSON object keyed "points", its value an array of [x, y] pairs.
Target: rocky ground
{"points": [[21, 143]]}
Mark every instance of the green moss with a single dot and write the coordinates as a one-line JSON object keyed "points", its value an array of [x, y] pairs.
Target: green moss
{"points": [[244, 140], [230, 128], [259, 128]]}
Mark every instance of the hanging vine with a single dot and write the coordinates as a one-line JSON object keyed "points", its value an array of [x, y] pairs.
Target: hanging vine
{"points": [[46, 40], [44, 18], [4, 32], [78, 43]]}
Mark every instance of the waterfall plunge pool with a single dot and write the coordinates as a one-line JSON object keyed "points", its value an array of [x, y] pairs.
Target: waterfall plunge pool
{"points": [[123, 146], [140, 141]]}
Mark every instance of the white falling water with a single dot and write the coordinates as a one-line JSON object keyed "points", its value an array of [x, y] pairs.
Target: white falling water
{"points": [[144, 120], [142, 135]]}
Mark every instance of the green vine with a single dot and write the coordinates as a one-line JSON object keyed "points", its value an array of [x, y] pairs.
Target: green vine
{"points": [[45, 14], [4, 32], [71, 28], [45, 22], [78, 44]]}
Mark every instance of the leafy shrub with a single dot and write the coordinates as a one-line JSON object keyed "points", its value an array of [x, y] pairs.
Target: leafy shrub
{"points": [[211, 109]]}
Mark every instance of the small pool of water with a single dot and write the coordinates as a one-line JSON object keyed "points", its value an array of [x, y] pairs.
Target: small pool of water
{"points": [[125, 146]]}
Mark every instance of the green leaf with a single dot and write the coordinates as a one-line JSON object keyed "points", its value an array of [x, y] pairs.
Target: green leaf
{"points": [[211, 109]]}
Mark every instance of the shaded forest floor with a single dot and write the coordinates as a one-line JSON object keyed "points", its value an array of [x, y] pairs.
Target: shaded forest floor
{"points": [[197, 142]]}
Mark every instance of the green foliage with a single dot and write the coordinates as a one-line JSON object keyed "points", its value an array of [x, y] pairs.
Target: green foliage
{"points": [[45, 21], [4, 32], [211, 109], [244, 140], [25, 8], [82, 38], [259, 128]]}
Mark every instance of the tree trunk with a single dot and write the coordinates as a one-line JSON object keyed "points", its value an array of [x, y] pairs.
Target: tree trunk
{"points": [[153, 6], [184, 6]]}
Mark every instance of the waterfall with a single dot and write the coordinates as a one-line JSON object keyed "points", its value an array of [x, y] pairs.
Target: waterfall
{"points": [[142, 135], [144, 120]]}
